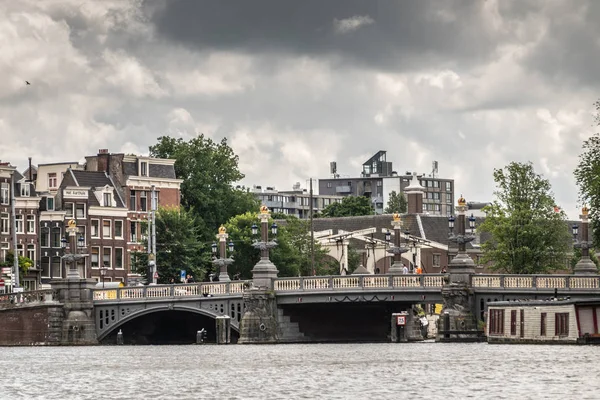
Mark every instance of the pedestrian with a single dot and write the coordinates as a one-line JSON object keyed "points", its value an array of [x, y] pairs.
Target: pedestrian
{"points": [[404, 270], [419, 270], [443, 270], [190, 279]]}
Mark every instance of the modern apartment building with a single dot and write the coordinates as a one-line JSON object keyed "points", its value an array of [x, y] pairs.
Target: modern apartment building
{"points": [[378, 179], [294, 202]]}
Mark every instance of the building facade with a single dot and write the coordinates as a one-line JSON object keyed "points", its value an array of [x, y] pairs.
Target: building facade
{"points": [[295, 202]]}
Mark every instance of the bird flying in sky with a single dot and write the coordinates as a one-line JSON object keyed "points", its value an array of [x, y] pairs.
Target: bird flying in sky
{"points": [[27, 82]]}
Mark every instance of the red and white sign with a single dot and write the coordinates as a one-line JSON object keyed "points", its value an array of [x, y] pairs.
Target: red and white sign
{"points": [[156, 275], [1, 282], [401, 320]]}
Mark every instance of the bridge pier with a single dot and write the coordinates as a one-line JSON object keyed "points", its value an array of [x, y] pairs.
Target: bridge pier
{"points": [[78, 325], [259, 322]]}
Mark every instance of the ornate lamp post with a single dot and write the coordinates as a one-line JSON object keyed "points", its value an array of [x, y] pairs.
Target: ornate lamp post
{"points": [[585, 265], [264, 271], [222, 261], [75, 250], [397, 249], [103, 274], [461, 266]]}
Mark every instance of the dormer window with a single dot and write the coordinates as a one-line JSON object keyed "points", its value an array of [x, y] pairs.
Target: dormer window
{"points": [[25, 189], [52, 181], [107, 200], [143, 168]]}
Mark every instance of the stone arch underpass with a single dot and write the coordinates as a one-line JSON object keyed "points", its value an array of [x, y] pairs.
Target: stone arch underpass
{"points": [[167, 322]]}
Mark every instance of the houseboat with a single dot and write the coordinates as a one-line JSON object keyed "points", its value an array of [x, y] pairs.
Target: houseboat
{"points": [[560, 321]]}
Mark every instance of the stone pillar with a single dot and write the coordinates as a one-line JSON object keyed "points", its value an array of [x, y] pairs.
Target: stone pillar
{"points": [[264, 272], [78, 324], [414, 196], [223, 329], [397, 267], [458, 303], [259, 322], [585, 265], [222, 262]]}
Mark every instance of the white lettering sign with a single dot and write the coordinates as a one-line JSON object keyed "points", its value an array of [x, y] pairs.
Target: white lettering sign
{"points": [[75, 194]]}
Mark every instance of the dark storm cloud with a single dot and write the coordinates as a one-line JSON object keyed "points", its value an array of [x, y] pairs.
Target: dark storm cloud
{"points": [[401, 34]]}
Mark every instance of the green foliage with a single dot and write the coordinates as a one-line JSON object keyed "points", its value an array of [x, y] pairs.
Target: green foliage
{"points": [[208, 170], [353, 258], [576, 256], [291, 256], [396, 203], [587, 175], [24, 264], [528, 236], [177, 245], [350, 206]]}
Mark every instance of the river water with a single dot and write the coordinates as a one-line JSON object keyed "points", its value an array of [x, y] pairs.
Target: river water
{"points": [[307, 371]]}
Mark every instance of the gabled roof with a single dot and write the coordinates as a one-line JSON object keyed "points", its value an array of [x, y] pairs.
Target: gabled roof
{"points": [[95, 180]]}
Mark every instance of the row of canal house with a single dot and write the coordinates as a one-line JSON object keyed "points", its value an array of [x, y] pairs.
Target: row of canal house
{"points": [[109, 197]]}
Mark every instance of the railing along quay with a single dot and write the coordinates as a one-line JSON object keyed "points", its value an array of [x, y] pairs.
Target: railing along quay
{"points": [[503, 282], [360, 282], [166, 291], [30, 297]]}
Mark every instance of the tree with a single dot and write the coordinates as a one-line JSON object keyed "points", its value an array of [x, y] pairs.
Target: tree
{"points": [[177, 246], [396, 203], [350, 206], [208, 170], [587, 175], [24, 264], [527, 235]]}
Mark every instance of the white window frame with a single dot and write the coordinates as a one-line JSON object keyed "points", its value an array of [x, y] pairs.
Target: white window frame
{"points": [[107, 199], [45, 231], [49, 266], [69, 210], [31, 223], [122, 258], [110, 261], [5, 223], [83, 214], [95, 222], [5, 193], [92, 257], [143, 201], [19, 223], [4, 248], [144, 168], [118, 221], [52, 180], [109, 236], [60, 267], [49, 199], [25, 189], [21, 249], [31, 252]]}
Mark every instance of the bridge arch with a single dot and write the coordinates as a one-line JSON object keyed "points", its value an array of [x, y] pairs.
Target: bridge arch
{"points": [[103, 333]]}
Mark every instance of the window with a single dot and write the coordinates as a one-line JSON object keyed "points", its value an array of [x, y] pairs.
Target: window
{"points": [[436, 184], [5, 193], [55, 238], [4, 223], [328, 184], [19, 223], [144, 201], [69, 209], [448, 187], [4, 246], [133, 231], [94, 256], [496, 322], [119, 229], [132, 202], [543, 322], [95, 233], [50, 203], [24, 189], [31, 224], [143, 168], [561, 324], [106, 228], [106, 257], [45, 267], [52, 181], [449, 198], [45, 238], [21, 250], [80, 210], [107, 199], [31, 252], [56, 267], [436, 260], [379, 183], [326, 202], [119, 257], [513, 322]]}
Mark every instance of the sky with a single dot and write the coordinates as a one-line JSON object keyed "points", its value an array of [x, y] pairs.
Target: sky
{"points": [[294, 85]]}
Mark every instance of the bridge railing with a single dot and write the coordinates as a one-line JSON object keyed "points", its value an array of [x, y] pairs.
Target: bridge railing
{"points": [[316, 283], [8, 300], [573, 282], [178, 290]]}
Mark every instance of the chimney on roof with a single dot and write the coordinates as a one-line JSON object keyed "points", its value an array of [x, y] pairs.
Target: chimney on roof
{"points": [[414, 196], [103, 159]]}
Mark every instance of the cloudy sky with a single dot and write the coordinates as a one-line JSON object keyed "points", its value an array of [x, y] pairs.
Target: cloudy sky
{"points": [[294, 85]]}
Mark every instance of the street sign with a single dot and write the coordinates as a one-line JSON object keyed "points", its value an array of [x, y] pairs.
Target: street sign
{"points": [[401, 320], [182, 275], [6, 270]]}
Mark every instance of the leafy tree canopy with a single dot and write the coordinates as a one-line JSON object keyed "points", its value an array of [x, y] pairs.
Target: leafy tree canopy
{"points": [[350, 206], [396, 203], [587, 175], [209, 170], [24, 264], [528, 236]]}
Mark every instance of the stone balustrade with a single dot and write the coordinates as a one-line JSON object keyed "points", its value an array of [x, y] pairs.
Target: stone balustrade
{"points": [[317, 283], [30, 297], [178, 290], [535, 281]]}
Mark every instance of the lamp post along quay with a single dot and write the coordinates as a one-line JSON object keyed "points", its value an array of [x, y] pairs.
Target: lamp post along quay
{"points": [[222, 261], [457, 321], [397, 249], [585, 265], [259, 322]]}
